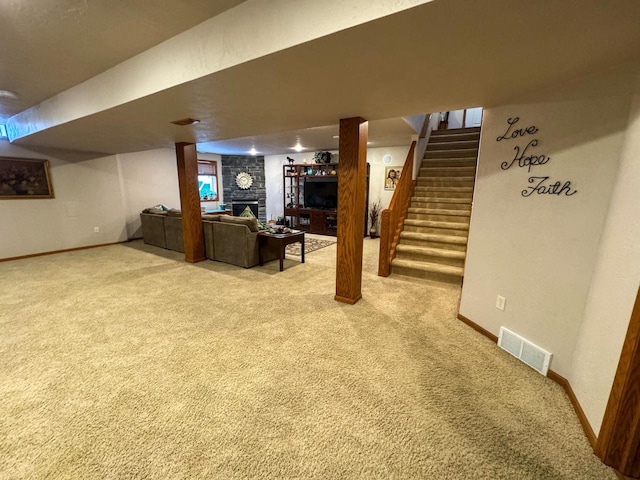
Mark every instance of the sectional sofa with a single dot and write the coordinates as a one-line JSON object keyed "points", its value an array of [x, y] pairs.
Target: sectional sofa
{"points": [[227, 239]]}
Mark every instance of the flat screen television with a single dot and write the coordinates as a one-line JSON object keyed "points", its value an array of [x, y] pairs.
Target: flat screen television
{"points": [[321, 193]]}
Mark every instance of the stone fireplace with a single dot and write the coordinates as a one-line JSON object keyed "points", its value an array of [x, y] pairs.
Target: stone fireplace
{"points": [[255, 197], [238, 206]]}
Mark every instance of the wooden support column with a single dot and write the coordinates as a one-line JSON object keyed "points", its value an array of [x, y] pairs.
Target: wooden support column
{"points": [[192, 233], [352, 181], [619, 439]]}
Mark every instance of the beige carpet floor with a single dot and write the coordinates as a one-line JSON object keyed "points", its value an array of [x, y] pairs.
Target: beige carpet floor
{"points": [[125, 362]]}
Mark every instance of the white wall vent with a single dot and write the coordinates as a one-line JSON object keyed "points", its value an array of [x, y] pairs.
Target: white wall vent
{"points": [[534, 356]]}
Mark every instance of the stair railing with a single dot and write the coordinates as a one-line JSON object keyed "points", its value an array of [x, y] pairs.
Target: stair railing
{"points": [[392, 218]]}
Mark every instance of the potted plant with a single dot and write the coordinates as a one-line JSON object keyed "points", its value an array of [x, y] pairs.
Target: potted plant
{"points": [[374, 216], [322, 157]]}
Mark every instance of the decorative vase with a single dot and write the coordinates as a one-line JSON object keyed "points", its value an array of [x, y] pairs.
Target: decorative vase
{"points": [[373, 233]]}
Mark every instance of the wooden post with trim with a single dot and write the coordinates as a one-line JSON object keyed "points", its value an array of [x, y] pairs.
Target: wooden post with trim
{"points": [[192, 233], [352, 181], [618, 442]]}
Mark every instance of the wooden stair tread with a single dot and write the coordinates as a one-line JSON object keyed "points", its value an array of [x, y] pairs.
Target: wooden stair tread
{"points": [[430, 251], [428, 267], [440, 200], [455, 143], [436, 224], [432, 188], [447, 179], [440, 211], [453, 131], [434, 237]]}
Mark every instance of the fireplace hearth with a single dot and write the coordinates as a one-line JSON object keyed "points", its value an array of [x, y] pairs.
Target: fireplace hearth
{"points": [[238, 206]]}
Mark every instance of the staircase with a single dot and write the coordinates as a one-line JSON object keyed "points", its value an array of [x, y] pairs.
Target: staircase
{"points": [[433, 241]]}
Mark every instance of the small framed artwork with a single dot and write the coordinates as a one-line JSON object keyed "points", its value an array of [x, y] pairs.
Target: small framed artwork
{"points": [[22, 178], [391, 177]]}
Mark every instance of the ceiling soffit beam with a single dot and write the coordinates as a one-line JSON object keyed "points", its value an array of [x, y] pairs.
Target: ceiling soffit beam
{"points": [[249, 31]]}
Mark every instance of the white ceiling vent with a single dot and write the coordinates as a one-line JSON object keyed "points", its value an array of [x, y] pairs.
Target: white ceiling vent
{"points": [[534, 356]]}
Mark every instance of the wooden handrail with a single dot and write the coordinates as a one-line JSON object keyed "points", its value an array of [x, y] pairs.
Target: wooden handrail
{"points": [[392, 218]]}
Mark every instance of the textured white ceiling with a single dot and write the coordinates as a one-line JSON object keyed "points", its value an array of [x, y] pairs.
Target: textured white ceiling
{"points": [[444, 55], [48, 46]]}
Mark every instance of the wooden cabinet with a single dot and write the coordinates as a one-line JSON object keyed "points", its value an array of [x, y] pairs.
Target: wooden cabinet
{"points": [[317, 212]]}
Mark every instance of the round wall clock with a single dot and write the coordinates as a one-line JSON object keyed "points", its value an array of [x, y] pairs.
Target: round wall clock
{"points": [[244, 180], [387, 159]]}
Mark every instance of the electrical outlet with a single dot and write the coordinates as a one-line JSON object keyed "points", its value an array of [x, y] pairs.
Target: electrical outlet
{"points": [[500, 301], [96, 229]]}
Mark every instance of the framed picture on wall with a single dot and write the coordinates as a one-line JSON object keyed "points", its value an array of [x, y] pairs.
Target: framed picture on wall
{"points": [[391, 177], [22, 178]]}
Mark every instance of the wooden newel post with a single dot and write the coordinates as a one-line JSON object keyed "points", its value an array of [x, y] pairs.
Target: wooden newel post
{"points": [[384, 262], [352, 182], [192, 233]]}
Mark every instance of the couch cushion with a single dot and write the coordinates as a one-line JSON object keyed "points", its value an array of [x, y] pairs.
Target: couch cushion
{"points": [[211, 218], [252, 223], [174, 212]]}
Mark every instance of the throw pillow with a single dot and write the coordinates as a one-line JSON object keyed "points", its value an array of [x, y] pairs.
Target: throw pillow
{"points": [[247, 212]]}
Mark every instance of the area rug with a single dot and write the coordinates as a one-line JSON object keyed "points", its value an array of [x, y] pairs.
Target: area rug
{"points": [[310, 245]]}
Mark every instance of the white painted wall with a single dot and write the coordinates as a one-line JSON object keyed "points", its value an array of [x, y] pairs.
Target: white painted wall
{"points": [[540, 252], [614, 286], [375, 158], [87, 195], [273, 174], [416, 121], [107, 192], [568, 266], [147, 179], [249, 31]]}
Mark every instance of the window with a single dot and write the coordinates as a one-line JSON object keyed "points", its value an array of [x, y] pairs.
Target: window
{"points": [[208, 180]]}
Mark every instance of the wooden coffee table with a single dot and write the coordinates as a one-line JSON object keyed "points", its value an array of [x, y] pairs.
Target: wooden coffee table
{"points": [[281, 240]]}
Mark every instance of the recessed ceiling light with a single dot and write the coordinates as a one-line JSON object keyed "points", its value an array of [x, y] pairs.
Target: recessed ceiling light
{"points": [[298, 147], [253, 151], [8, 94], [186, 121]]}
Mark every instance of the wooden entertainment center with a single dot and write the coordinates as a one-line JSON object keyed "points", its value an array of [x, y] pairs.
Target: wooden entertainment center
{"points": [[311, 197]]}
